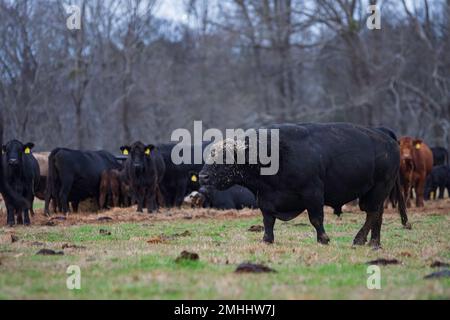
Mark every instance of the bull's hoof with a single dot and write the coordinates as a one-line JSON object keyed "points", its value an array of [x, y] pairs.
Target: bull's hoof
{"points": [[407, 226], [375, 244], [359, 242], [268, 240], [323, 239]]}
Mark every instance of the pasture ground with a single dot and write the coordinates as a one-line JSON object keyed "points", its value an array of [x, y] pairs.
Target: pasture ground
{"points": [[134, 256]]}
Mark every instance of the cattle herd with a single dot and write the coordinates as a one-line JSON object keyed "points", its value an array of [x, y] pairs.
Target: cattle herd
{"points": [[320, 164]]}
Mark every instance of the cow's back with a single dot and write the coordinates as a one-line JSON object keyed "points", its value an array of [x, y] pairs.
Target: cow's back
{"points": [[83, 169]]}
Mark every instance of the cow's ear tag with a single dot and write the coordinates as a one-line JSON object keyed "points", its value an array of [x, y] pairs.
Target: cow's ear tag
{"points": [[194, 178], [418, 146], [125, 152], [27, 150], [147, 151]]}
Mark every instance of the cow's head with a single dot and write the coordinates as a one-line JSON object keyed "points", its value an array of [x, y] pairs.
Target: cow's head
{"points": [[408, 146], [14, 151], [137, 154], [200, 198], [219, 173], [193, 182], [195, 199]]}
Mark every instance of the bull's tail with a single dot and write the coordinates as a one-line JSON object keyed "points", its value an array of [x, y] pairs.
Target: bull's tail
{"points": [[397, 193], [51, 188]]}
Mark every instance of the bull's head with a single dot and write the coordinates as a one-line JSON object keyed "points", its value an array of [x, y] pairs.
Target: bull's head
{"points": [[219, 173], [14, 152], [408, 147], [137, 154]]}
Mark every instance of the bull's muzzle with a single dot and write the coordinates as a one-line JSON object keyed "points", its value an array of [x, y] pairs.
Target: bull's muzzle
{"points": [[204, 178]]}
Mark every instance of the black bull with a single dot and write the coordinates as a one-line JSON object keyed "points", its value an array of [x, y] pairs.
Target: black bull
{"points": [[74, 175], [321, 164], [9, 195]]}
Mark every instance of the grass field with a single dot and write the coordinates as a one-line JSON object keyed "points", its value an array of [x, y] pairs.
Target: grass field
{"points": [[137, 259]]}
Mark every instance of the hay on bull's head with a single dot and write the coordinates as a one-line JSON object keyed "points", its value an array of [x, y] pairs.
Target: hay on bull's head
{"points": [[225, 149]]}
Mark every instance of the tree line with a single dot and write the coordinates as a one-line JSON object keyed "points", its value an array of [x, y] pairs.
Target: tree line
{"points": [[128, 74]]}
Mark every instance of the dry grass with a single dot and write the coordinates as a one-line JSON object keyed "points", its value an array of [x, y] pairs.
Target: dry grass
{"points": [[138, 259]]}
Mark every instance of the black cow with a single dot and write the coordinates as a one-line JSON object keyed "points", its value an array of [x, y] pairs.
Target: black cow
{"points": [[440, 156], [175, 184], [15, 199], [319, 164], [74, 176], [21, 173], [236, 197], [439, 178], [144, 170]]}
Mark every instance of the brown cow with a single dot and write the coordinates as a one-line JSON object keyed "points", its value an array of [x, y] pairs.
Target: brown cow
{"points": [[42, 159], [109, 186], [416, 162]]}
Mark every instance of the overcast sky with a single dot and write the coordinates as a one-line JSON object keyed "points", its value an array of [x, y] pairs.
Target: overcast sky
{"points": [[172, 9]]}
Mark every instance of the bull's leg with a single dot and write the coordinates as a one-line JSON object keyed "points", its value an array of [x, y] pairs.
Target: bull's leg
{"points": [[75, 206], [316, 219], [361, 236], [269, 222], [377, 220], [420, 187], [441, 192], [407, 194], [102, 200], [19, 216], [26, 217], [54, 206], [30, 197], [151, 203], [140, 201], [10, 220], [49, 198], [115, 199]]}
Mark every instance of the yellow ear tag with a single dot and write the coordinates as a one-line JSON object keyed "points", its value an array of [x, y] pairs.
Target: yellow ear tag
{"points": [[27, 150], [125, 152], [194, 178], [418, 146], [147, 151]]}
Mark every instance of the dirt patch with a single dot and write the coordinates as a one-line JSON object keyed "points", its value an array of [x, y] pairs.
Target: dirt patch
{"points": [[50, 252], [187, 256], [118, 215], [156, 240], [247, 267], [256, 229], [439, 264], [383, 262], [440, 274], [72, 246], [105, 219], [104, 232], [165, 238]]}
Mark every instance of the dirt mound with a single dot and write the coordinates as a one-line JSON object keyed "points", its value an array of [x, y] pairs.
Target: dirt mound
{"points": [[383, 262], [247, 267], [186, 256]]}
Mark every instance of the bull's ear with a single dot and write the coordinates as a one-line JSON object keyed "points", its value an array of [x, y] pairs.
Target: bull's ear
{"points": [[417, 143], [149, 149], [125, 150], [27, 148]]}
